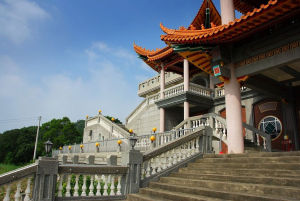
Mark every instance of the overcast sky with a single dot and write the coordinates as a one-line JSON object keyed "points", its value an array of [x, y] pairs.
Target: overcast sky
{"points": [[73, 57]]}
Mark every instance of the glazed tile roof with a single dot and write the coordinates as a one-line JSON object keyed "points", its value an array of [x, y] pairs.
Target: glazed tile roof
{"points": [[199, 20], [153, 55], [235, 29], [245, 6]]}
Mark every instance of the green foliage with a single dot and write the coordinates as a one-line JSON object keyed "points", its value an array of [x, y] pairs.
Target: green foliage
{"points": [[7, 167], [117, 121], [17, 145]]}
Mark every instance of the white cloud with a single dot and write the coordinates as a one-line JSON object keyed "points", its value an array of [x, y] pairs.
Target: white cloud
{"points": [[57, 95], [99, 48], [17, 17]]}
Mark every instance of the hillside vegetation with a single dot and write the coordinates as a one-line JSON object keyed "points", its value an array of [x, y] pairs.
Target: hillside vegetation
{"points": [[17, 145]]}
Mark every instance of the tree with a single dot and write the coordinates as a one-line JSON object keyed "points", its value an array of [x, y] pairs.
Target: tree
{"points": [[117, 121], [17, 145]]}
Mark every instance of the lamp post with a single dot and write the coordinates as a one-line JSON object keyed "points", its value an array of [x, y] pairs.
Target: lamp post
{"points": [[48, 147]]}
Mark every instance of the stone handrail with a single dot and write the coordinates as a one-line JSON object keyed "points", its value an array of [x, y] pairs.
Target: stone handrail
{"points": [[182, 149], [218, 123], [200, 90], [19, 177], [144, 143], [111, 127], [108, 181], [90, 147], [220, 92], [153, 83], [172, 91]]}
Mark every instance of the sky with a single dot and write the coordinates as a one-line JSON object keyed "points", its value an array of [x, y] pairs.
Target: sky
{"points": [[73, 57]]}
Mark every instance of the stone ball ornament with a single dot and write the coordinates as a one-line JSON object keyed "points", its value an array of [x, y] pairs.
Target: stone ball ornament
{"points": [[152, 138], [97, 144]]}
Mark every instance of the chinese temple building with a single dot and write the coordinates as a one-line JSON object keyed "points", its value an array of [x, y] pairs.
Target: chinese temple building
{"points": [[246, 69]]}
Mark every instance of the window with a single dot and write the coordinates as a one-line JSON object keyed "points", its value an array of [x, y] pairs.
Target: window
{"points": [[272, 126], [91, 134]]}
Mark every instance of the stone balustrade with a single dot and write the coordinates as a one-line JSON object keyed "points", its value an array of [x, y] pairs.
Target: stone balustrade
{"points": [[198, 89], [91, 181], [173, 91], [114, 129], [220, 92], [160, 159], [18, 184], [144, 142]]}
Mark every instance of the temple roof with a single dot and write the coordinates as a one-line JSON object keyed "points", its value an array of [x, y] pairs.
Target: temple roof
{"points": [[199, 20], [245, 6], [236, 29]]}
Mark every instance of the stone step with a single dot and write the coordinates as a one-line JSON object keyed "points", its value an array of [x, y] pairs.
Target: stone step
{"points": [[244, 172], [259, 154], [176, 196], [275, 159], [215, 193], [285, 166], [280, 181], [144, 197], [255, 189]]}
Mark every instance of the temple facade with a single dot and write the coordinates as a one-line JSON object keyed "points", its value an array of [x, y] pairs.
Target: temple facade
{"points": [[247, 70]]}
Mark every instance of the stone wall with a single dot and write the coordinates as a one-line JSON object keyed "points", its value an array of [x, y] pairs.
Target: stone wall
{"points": [[145, 120]]}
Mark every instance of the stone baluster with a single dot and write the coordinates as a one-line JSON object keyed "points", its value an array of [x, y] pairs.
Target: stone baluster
{"points": [[84, 186], [148, 170], [112, 186], [174, 157], [168, 159], [68, 188], [76, 187], [158, 162], [18, 192], [119, 185], [7, 193], [188, 149], [257, 139], [27, 191], [197, 145], [179, 155], [60, 186], [91, 187], [105, 188], [98, 193], [163, 161], [153, 163], [265, 145]]}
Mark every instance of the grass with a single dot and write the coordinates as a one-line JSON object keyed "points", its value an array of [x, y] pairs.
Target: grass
{"points": [[7, 167]]}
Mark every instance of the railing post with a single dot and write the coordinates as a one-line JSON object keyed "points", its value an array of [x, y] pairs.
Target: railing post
{"points": [[268, 143], [209, 134], [45, 179], [133, 159]]}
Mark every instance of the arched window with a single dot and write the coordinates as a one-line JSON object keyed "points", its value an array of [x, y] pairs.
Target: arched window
{"points": [[271, 125]]}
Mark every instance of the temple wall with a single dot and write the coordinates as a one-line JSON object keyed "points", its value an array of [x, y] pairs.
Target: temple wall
{"points": [[145, 121], [98, 132]]}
